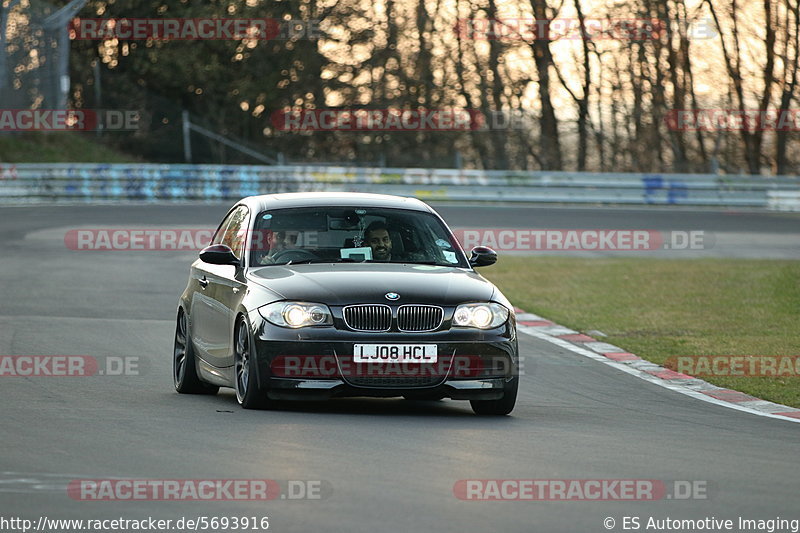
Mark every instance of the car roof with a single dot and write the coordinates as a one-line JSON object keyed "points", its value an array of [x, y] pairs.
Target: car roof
{"points": [[321, 199]]}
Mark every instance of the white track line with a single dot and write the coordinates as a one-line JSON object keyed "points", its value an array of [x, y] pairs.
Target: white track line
{"points": [[532, 331]]}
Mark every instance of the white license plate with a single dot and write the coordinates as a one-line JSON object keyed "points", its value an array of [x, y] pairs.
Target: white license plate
{"points": [[397, 353]]}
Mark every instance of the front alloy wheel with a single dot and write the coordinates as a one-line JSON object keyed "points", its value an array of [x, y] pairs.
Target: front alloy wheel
{"points": [[248, 393]]}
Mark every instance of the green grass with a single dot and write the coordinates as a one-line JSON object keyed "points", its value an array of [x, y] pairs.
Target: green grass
{"points": [[58, 147], [661, 308]]}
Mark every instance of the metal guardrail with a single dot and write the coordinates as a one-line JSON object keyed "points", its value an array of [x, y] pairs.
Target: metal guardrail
{"points": [[98, 182]]}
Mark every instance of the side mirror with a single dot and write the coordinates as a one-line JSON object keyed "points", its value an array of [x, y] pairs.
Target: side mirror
{"points": [[482, 256], [218, 254]]}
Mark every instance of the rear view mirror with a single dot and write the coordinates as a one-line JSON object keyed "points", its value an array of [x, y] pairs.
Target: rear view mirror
{"points": [[482, 256], [218, 254]]}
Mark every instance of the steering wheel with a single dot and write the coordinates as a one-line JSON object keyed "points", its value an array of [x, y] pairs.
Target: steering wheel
{"points": [[295, 254]]}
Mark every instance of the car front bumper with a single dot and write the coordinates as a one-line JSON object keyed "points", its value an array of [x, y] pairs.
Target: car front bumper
{"points": [[309, 389], [317, 363]]}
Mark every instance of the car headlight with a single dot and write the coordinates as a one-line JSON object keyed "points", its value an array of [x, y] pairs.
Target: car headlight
{"points": [[480, 315], [297, 314]]}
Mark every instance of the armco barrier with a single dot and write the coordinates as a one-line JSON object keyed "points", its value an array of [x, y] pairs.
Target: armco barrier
{"points": [[149, 182]]}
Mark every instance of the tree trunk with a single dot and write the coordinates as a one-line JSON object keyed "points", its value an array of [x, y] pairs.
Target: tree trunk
{"points": [[543, 59]]}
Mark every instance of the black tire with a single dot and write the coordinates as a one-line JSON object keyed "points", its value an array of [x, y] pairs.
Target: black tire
{"points": [[502, 406], [248, 393], [184, 367]]}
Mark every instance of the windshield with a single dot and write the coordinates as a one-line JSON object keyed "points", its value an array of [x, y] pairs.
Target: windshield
{"points": [[352, 234]]}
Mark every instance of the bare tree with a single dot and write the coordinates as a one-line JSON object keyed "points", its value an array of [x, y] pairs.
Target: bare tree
{"points": [[543, 60], [788, 79], [753, 134]]}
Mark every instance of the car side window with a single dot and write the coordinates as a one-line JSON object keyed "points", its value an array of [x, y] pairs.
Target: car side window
{"points": [[232, 231], [220, 234]]}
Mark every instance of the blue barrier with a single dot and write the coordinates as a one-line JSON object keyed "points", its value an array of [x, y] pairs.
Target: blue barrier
{"points": [[154, 182]]}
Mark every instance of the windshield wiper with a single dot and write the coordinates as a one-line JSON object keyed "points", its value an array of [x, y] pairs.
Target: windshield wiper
{"points": [[436, 263], [351, 260], [309, 261], [304, 262]]}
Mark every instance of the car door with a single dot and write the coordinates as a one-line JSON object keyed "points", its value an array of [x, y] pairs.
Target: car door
{"points": [[210, 311], [230, 282]]}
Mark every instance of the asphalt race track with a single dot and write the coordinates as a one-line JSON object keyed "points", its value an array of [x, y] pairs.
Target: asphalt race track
{"points": [[387, 465]]}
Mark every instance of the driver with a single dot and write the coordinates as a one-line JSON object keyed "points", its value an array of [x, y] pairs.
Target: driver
{"points": [[276, 242], [376, 236]]}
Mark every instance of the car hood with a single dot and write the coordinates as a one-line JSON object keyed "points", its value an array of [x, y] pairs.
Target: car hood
{"points": [[347, 283]]}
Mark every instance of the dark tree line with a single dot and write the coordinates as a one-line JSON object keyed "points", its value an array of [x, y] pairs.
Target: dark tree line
{"points": [[592, 100]]}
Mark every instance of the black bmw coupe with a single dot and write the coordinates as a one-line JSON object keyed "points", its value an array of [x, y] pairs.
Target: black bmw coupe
{"points": [[309, 296]]}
